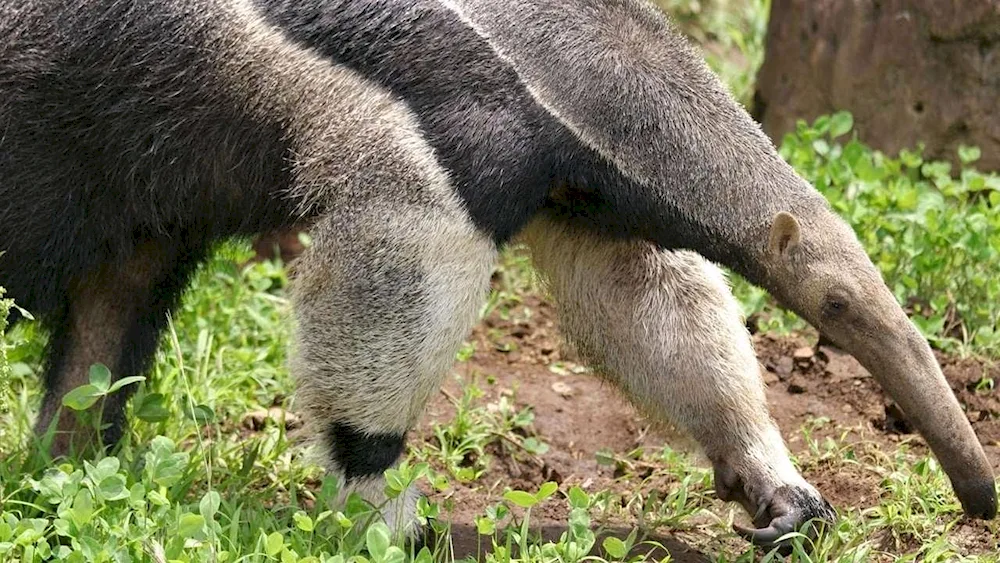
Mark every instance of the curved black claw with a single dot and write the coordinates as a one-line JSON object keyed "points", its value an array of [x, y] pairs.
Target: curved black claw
{"points": [[788, 509]]}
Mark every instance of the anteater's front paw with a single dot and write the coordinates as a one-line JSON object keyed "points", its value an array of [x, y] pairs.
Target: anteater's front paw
{"points": [[776, 511], [784, 510]]}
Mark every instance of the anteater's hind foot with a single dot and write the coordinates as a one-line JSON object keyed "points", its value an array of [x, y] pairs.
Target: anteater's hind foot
{"points": [[114, 316]]}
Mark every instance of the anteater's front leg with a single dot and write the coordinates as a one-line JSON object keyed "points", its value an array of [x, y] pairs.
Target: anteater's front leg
{"points": [[384, 297], [664, 327]]}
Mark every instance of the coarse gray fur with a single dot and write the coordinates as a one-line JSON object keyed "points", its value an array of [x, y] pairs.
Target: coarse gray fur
{"points": [[614, 73], [136, 133]]}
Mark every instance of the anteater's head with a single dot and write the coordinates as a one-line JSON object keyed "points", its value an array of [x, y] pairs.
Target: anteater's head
{"points": [[814, 264]]}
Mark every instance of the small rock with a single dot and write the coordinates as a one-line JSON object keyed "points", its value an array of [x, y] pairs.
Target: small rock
{"points": [[784, 368], [563, 389], [822, 355], [559, 368], [769, 377], [803, 354]]}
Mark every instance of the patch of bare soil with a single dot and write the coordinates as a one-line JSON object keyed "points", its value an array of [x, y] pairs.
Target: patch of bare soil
{"points": [[577, 415]]}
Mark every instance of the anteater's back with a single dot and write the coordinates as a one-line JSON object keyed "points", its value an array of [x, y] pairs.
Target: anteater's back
{"points": [[122, 122]]}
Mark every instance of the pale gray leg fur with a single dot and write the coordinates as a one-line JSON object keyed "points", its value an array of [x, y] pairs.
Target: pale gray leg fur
{"points": [[664, 328]]}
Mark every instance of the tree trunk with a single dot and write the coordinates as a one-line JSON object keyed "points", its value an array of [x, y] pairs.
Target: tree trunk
{"points": [[911, 71]]}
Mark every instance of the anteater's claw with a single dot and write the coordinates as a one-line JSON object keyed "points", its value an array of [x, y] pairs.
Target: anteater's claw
{"points": [[787, 510], [768, 536]]}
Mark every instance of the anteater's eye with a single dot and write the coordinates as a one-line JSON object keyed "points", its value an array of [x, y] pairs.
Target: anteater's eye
{"points": [[834, 305]]}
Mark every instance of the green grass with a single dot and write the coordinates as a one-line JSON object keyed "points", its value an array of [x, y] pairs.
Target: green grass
{"points": [[730, 34], [461, 445]]}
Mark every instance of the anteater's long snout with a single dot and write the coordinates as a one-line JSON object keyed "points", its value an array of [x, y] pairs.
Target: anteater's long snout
{"points": [[907, 370]]}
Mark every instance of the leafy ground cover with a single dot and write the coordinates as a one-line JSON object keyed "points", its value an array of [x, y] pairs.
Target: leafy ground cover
{"points": [[214, 468], [524, 455]]}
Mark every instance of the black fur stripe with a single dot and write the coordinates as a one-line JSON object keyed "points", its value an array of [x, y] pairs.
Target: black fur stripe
{"points": [[502, 150], [361, 454]]}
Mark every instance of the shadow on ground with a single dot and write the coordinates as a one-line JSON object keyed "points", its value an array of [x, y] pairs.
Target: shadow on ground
{"points": [[466, 543]]}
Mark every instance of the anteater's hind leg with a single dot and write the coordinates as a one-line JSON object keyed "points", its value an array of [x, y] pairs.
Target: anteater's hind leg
{"points": [[113, 315], [665, 329], [384, 297]]}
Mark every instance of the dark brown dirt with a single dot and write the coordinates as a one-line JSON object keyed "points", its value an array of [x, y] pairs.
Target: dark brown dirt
{"points": [[577, 415]]}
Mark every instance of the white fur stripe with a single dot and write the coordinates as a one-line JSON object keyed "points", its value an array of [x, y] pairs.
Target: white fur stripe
{"points": [[542, 98]]}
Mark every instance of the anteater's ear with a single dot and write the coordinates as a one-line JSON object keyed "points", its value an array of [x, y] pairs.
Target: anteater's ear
{"points": [[785, 234]]}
